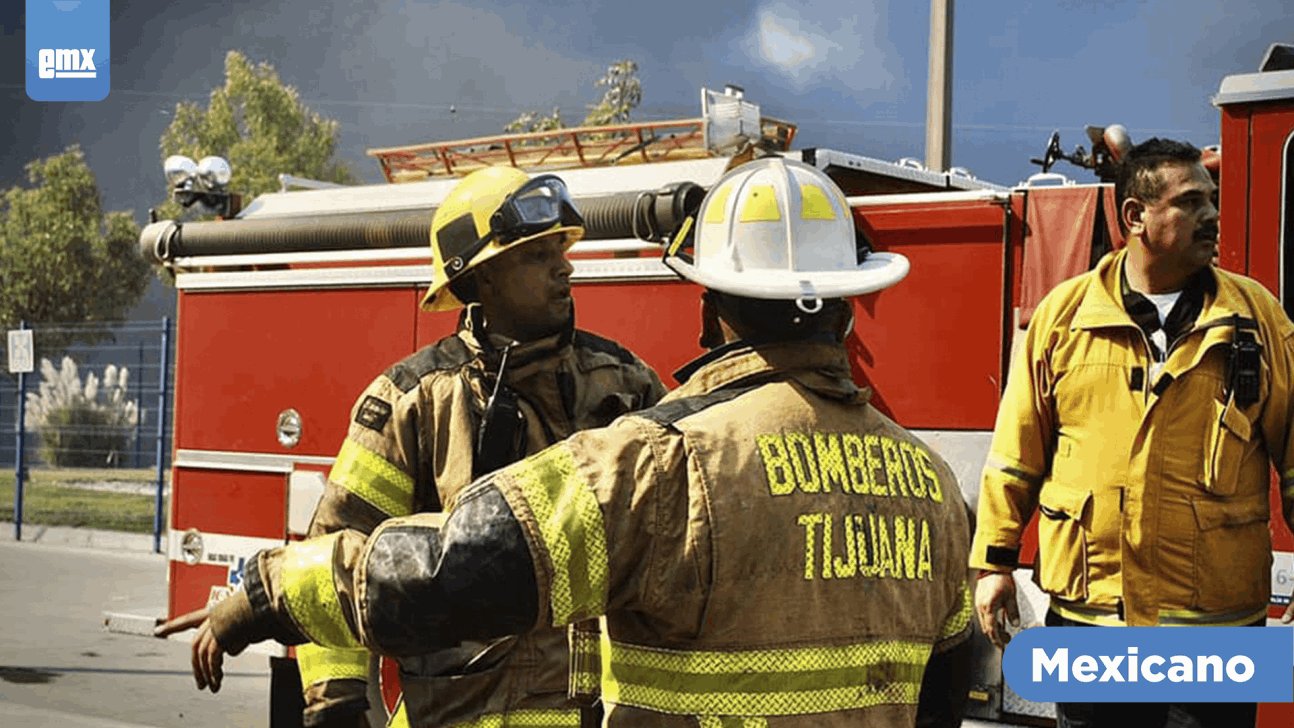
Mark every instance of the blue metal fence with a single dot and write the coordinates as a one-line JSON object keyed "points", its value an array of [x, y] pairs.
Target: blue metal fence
{"points": [[97, 418]]}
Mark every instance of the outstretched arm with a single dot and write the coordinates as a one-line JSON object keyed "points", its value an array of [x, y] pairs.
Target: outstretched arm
{"points": [[419, 584]]}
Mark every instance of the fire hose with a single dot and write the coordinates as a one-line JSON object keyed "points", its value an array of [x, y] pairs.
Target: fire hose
{"points": [[648, 215]]}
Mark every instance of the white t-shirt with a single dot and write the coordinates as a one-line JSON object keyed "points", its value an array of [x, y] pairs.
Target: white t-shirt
{"points": [[1164, 302]]}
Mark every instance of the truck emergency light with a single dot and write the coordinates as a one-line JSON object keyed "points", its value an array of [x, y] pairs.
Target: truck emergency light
{"points": [[205, 182]]}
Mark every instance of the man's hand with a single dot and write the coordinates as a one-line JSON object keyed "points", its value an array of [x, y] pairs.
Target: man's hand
{"points": [[995, 602], [1288, 616], [208, 656]]}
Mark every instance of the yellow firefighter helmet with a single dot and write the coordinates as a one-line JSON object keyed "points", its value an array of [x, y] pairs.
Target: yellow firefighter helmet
{"points": [[775, 228], [490, 211]]}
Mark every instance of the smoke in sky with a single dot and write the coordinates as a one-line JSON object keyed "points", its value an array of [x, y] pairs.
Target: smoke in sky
{"points": [[812, 46]]}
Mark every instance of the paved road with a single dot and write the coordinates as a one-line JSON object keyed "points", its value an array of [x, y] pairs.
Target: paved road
{"points": [[59, 668]]}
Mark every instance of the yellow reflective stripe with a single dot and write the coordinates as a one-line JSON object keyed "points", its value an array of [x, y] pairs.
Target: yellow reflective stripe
{"points": [[515, 719], [570, 522], [325, 663], [1011, 471], [733, 721], [369, 476], [961, 618], [764, 682], [760, 205], [311, 595], [523, 719], [585, 665], [814, 204]]}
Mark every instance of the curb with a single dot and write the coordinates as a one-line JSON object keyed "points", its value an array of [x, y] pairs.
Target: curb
{"points": [[90, 538]]}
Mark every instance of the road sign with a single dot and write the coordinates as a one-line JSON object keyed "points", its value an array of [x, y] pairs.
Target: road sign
{"points": [[21, 357]]}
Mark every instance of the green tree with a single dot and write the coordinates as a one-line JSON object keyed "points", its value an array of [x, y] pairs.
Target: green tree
{"points": [[62, 259], [261, 126], [529, 121], [623, 93]]}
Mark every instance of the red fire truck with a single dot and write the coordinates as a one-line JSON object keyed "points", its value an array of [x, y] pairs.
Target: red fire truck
{"points": [[289, 308]]}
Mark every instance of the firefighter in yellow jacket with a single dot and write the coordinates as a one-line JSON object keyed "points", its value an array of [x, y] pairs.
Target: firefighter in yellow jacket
{"points": [[515, 378], [766, 547], [1141, 417]]}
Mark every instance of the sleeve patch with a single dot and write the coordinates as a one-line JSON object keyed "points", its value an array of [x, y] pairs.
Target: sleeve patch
{"points": [[373, 413]]}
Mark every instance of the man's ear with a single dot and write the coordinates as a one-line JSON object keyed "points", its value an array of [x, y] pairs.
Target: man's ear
{"points": [[484, 276], [711, 329], [1133, 213]]}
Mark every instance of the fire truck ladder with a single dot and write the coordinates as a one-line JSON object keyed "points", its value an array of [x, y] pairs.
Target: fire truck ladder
{"points": [[584, 146]]}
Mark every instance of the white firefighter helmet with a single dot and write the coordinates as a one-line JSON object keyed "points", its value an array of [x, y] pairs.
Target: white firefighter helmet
{"points": [[775, 228], [488, 212]]}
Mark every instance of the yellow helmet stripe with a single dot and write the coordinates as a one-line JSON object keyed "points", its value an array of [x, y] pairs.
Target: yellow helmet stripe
{"points": [[814, 204], [760, 205], [570, 522], [310, 593], [325, 663], [764, 682], [718, 209], [369, 476]]}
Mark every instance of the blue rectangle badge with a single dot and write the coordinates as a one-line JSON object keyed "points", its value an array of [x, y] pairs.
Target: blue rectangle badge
{"points": [[1152, 664], [67, 50]]}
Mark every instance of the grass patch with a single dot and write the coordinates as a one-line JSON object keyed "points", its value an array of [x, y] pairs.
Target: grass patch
{"points": [[50, 500]]}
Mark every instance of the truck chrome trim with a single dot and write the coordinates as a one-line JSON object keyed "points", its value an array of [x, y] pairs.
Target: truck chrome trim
{"points": [[254, 461], [321, 256], [622, 269], [421, 254], [218, 548], [598, 270], [916, 198], [402, 275]]}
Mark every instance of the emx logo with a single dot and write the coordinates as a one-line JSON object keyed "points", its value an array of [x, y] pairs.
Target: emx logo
{"points": [[67, 50], [67, 63]]}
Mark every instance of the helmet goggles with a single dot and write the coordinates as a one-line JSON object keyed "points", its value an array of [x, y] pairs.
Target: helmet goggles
{"points": [[536, 206]]}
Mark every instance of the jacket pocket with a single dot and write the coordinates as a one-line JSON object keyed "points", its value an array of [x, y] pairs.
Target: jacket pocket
{"points": [[1233, 553], [1064, 517], [439, 689], [1227, 447]]}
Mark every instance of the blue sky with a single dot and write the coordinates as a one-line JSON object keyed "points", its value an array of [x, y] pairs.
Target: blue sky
{"points": [[852, 74]]}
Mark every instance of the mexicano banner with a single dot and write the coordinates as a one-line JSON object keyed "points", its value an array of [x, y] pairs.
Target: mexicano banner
{"points": [[1152, 664]]}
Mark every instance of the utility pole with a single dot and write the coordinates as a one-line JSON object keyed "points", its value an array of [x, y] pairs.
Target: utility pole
{"points": [[939, 94]]}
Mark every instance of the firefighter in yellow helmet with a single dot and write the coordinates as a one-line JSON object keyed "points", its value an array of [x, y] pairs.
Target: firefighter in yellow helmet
{"points": [[766, 547], [514, 378]]}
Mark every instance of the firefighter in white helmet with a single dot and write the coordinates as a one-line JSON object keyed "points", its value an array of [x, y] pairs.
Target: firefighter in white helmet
{"points": [[515, 378], [766, 547]]}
